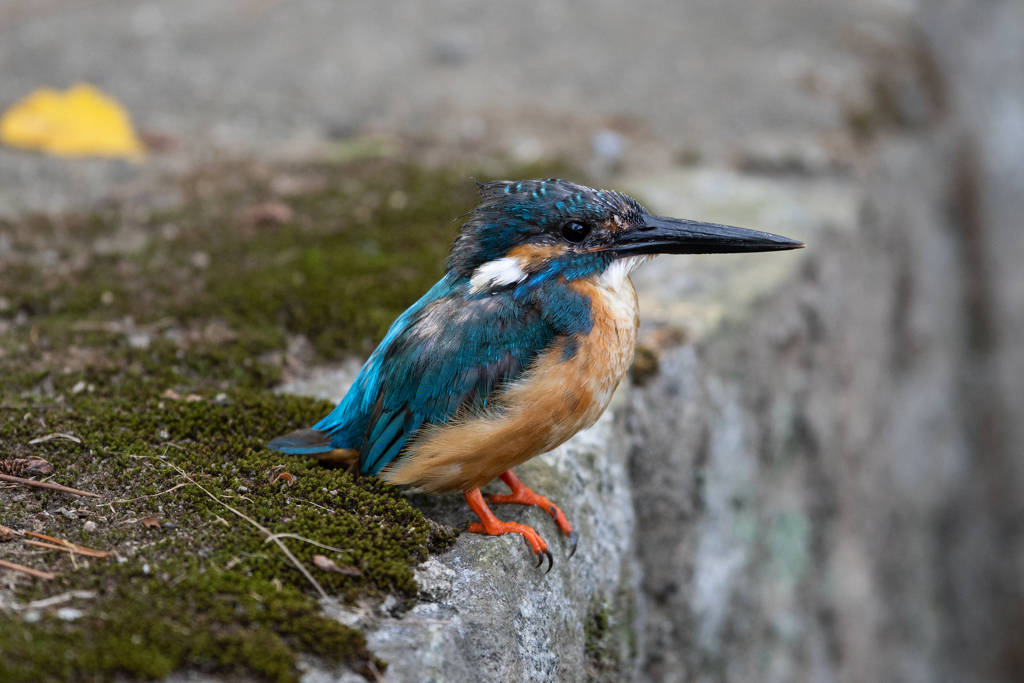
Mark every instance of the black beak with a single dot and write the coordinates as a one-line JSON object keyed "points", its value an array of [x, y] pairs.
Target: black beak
{"points": [[660, 235]]}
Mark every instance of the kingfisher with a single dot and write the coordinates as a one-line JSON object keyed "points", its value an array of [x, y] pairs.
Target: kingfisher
{"points": [[518, 347]]}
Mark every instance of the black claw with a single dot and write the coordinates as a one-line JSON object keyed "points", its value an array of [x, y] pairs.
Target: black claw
{"points": [[551, 561], [540, 559], [573, 540]]}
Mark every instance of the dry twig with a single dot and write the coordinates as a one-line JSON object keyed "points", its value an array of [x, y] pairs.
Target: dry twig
{"points": [[55, 435], [152, 495], [324, 563], [47, 485], [55, 600], [66, 545], [26, 570], [307, 540]]}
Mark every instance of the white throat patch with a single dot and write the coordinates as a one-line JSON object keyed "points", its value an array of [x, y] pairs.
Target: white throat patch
{"points": [[499, 272], [616, 273]]}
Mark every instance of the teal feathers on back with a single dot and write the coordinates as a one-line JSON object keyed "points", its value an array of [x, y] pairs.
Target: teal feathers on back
{"points": [[450, 352]]}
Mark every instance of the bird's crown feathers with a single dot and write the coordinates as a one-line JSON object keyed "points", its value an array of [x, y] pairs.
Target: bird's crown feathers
{"points": [[551, 223]]}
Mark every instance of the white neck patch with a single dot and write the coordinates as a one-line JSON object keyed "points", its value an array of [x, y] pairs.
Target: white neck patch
{"points": [[499, 272]]}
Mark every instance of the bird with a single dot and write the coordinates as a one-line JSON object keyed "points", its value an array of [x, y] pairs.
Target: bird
{"points": [[517, 347]]}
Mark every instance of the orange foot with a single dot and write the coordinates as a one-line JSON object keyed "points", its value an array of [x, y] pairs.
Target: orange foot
{"points": [[494, 527], [524, 496]]}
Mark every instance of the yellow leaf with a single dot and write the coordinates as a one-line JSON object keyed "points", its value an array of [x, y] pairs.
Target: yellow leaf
{"points": [[80, 122]]}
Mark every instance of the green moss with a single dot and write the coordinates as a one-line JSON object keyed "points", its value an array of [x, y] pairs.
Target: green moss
{"points": [[203, 589], [141, 629], [602, 656]]}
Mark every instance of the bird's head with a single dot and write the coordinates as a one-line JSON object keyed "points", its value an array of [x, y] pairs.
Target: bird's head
{"points": [[538, 229]]}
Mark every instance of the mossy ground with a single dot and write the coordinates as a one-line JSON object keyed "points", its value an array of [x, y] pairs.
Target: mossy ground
{"points": [[101, 314]]}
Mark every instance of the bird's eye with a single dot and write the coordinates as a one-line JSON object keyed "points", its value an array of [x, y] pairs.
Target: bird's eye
{"points": [[575, 232]]}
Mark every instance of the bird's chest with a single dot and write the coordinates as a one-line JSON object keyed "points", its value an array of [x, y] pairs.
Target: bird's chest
{"points": [[605, 354]]}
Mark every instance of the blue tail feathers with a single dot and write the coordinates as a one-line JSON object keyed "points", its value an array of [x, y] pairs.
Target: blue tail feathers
{"points": [[303, 442]]}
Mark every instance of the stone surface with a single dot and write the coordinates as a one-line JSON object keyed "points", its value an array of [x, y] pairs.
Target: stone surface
{"points": [[979, 47], [329, 383], [789, 471]]}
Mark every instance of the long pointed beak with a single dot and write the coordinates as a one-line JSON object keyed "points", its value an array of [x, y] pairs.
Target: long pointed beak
{"points": [[661, 235]]}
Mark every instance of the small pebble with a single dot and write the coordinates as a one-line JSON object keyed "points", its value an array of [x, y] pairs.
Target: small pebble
{"points": [[243, 489], [32, 616], [139, 340], [89, 526], [79, 387], [200, 259], [389, 604], [145, 569], [68, 613]]}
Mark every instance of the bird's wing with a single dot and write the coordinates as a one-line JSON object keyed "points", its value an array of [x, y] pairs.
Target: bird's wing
{"points": [[449, 352], [345, 426], [453, 358], [453, 354]]}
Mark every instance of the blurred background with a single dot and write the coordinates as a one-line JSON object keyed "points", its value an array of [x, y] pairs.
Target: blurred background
{"points": [[280, 175]]}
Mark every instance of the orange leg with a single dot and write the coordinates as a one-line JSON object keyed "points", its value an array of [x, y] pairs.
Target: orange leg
{"points": [[492, 526], [522, 495]]}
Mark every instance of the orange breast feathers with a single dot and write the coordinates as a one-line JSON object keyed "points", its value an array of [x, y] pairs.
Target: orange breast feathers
{"points": [[540, 411]]}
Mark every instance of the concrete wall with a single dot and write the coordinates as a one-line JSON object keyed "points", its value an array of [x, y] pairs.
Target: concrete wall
{"points": [[796, 472]]}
